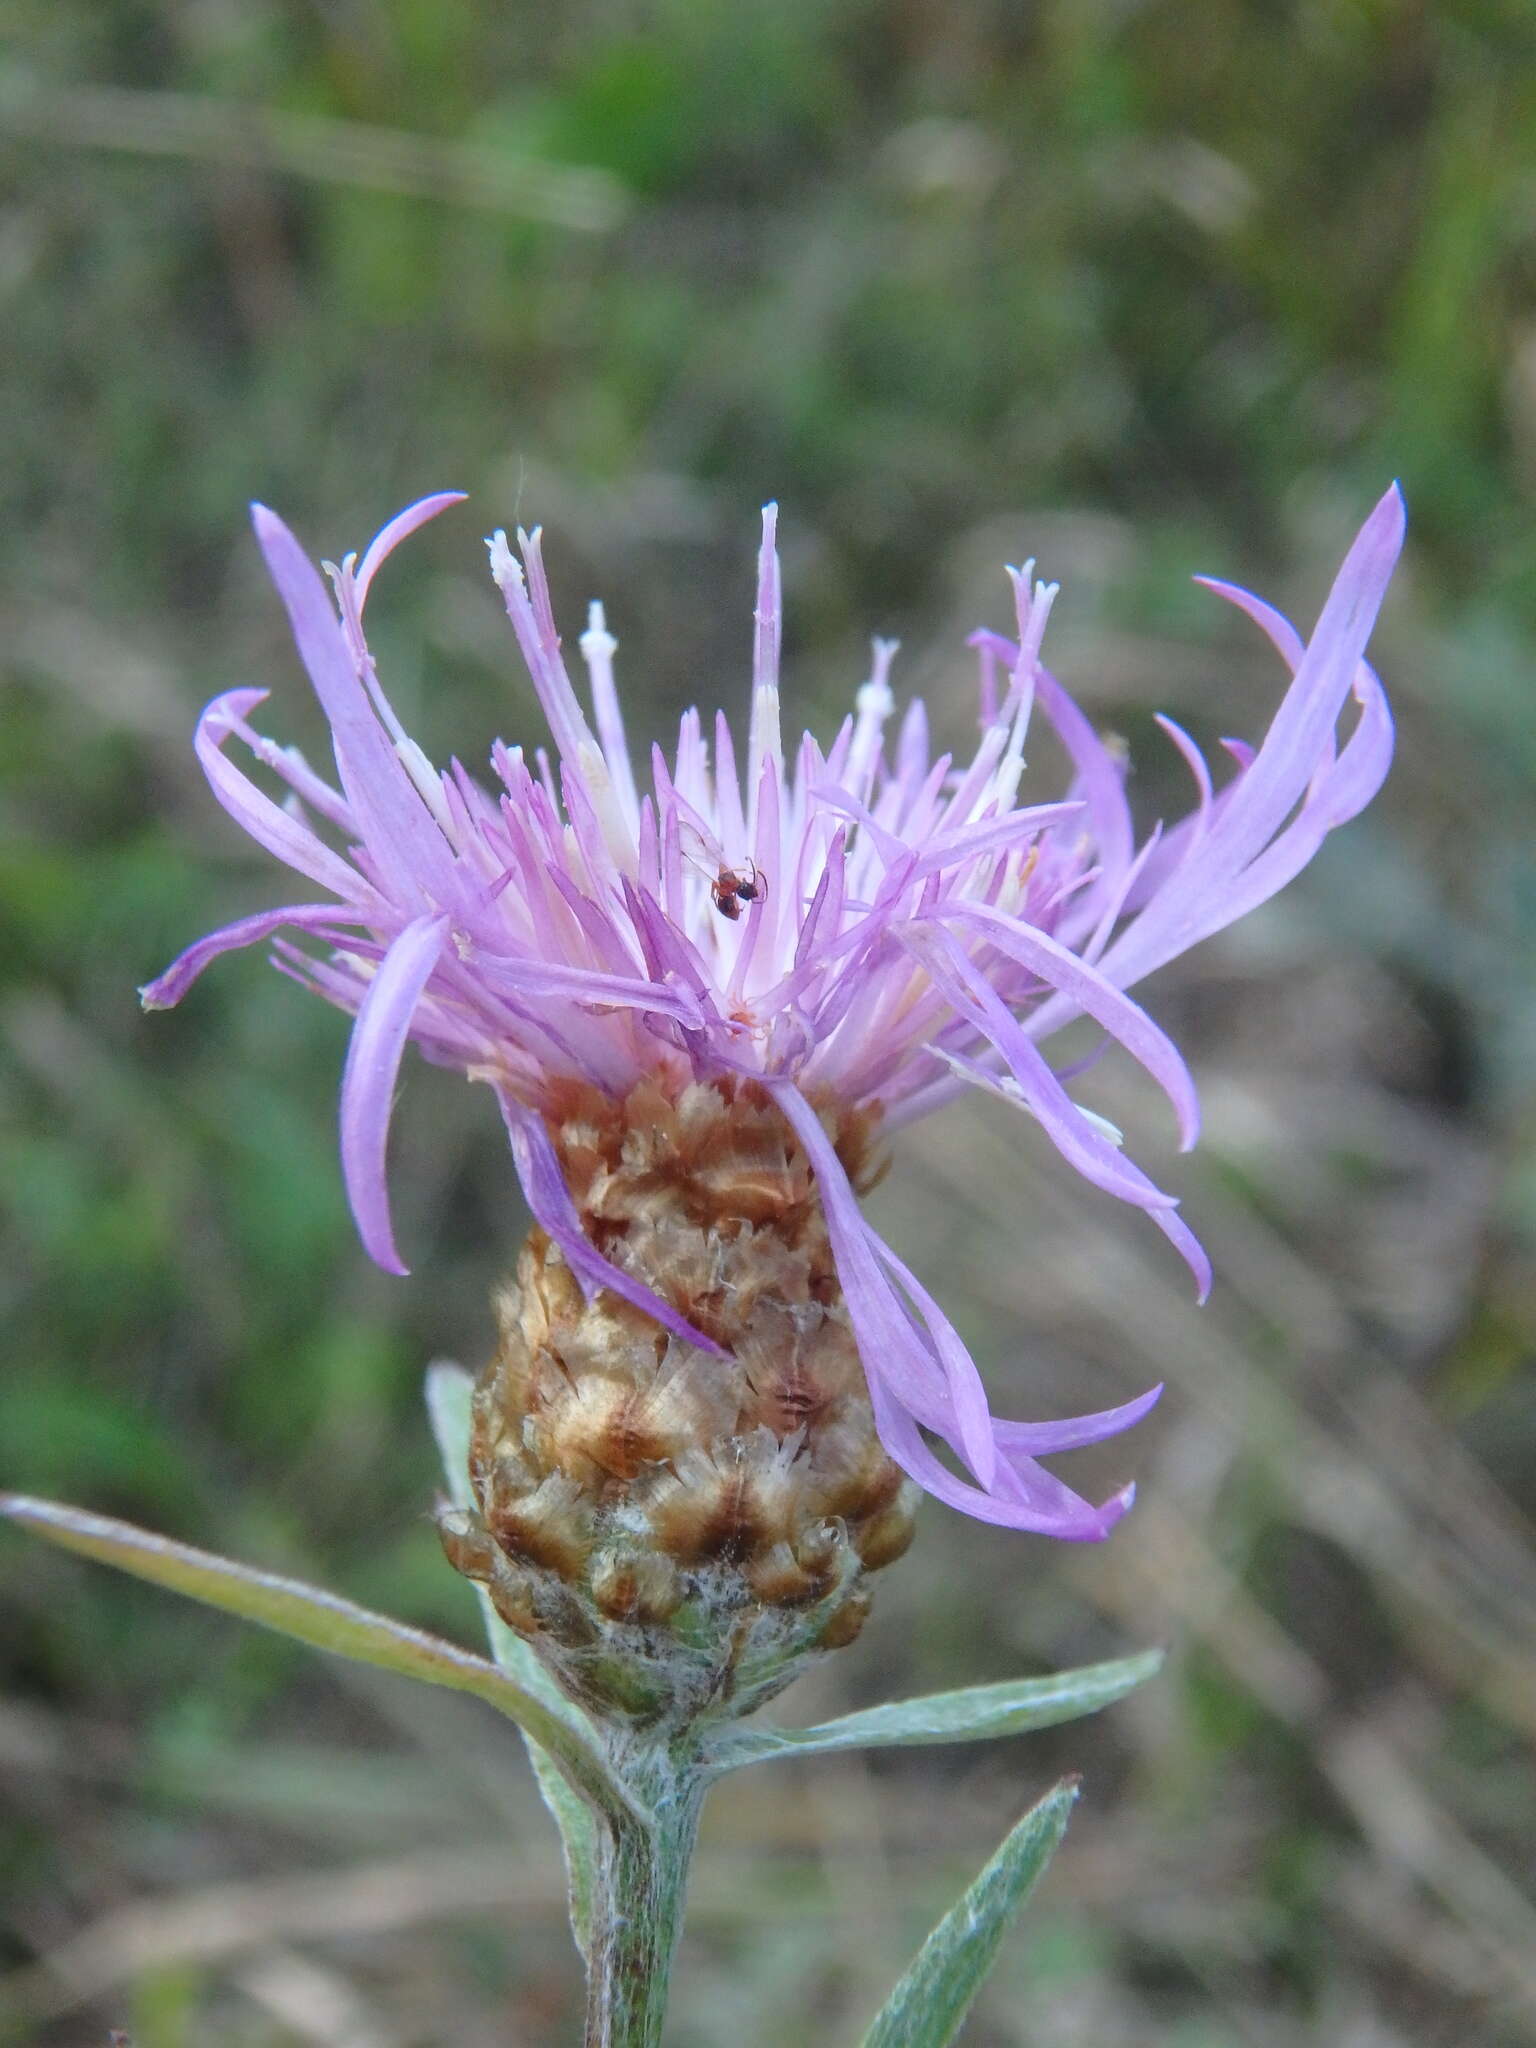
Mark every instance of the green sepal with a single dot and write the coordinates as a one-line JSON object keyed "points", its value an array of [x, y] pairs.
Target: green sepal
{"points": [[326, 1622], [929, 2005], [449, 1389], [971, 1715]]}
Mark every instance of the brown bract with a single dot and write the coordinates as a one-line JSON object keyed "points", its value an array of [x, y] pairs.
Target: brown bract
{"points": [[675, 1531]]}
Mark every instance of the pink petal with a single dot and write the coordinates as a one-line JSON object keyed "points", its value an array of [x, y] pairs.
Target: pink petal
{"points": [[400, 831], [963, 986], [368, 1083], [389, 537], [1339, 795], [290, 766], [1299, 740], [1100, 775], [1038, 1439], [935, 1375], [267, 822], [1196, 763], [1283, 636], [167, 989], [1305, 722], [1124, 1020], [1056, 1511], [1138, 1189]]}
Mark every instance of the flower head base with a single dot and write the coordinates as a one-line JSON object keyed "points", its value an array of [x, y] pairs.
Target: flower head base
{"points": [[677, 1532], [863, 932]]}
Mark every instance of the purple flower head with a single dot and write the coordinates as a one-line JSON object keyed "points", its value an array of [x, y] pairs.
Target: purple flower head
{"points": [[866, 928]]}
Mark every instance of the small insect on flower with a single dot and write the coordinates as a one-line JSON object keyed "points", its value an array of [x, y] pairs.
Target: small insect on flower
{"points": [[731, 890], [680, 1079]]}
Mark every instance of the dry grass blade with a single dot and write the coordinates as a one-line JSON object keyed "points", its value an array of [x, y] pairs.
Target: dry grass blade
{"points": [[222, 1920], [317, 2004], [1407, 1829]]}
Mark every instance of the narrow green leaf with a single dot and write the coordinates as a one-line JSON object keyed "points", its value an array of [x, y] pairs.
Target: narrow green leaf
{"points": [[971, 1715], [578, 1840], [449, 1391], [930, 2003], [325, 1622]]}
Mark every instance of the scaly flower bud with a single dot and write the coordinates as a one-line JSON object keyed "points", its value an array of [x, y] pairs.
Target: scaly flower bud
{"points": [[677, 1529]]}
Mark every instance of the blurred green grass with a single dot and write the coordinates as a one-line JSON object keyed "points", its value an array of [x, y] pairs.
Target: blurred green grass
{"points": [[1140, 291]]}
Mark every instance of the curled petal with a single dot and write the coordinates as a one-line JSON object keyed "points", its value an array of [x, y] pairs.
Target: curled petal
{"points": [[267, 822], [1138, 1190], [1124, 1020], [1300, 740], [401, 833], [966, 1396], [167, 989], [290, 766], [368, 1082], [1303, 726], [931, 1374], [1283, 636], [1336, 796], [908, 1354], [1046, 1509], [968, 993], [1204, 875], [1197, 765], [389, 537], [1039, 1439]]}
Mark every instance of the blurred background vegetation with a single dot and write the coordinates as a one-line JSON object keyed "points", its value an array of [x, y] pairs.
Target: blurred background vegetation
{"points": [[1139, 290]]}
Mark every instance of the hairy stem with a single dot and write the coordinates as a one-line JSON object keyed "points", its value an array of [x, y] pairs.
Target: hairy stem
{"points": [[639, 1885]]}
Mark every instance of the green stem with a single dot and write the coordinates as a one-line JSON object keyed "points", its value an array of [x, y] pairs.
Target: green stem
{"points": [[639, 1884]]}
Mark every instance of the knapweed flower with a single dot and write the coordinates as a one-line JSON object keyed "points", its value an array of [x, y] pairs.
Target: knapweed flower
{"points": [[699, 1004]]}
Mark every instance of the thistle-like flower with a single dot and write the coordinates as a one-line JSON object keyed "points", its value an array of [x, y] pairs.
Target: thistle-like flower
{"points": [[700, 1006]]}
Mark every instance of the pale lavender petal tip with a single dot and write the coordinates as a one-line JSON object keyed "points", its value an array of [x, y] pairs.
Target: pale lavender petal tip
{"points": [[389, 537]]}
